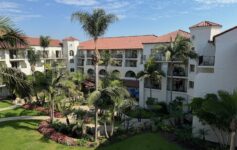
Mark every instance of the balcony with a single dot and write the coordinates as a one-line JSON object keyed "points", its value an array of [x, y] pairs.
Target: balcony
{"points": [[89, 54], [17, 54], [81, 55], [159, 57], [179, 72], [131, 54], [131, 63], [179, 85], [80, 63], [206, 60], [2, 57], [116, 54]]}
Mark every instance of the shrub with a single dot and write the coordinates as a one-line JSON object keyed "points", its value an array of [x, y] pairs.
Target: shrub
{"points": [[150, 101]]}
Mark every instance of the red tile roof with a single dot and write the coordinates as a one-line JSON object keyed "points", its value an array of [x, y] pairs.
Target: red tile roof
{"points": [[123, 42], [206, 24], [33, 41], [70, 39], [168, 37]]}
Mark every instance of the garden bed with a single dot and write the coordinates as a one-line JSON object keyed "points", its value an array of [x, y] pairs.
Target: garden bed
{"points": [[41, 109]]}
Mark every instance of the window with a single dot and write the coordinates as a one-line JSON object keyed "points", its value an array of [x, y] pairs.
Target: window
{"points": [[191, 84], [102, 72], [72, 69], [71, 53], [71, 61], [192, 68]]}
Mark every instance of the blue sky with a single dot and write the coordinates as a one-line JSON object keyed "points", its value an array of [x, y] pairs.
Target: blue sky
{"points": [[137, 17]]}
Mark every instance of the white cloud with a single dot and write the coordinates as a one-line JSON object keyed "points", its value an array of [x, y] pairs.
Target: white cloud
{"points": [[216, 1], [8, 5], [78, 2]]}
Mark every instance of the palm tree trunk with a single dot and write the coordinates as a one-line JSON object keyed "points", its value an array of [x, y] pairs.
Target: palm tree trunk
{"points": [[96, 66], [150, 89], [171, 82], [96, 124], [112, 125], [232, 141], [67, 120], [106, 132]]}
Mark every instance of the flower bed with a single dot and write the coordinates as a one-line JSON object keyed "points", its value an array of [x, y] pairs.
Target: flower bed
{"points": [[41, 109], [48, 131]]}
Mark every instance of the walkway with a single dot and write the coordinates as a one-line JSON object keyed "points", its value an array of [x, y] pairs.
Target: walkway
{"points": [[24, 118], [10, 107]]}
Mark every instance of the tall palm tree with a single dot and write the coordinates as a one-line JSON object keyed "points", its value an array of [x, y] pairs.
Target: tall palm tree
{"points": [[151, 72], [44, 43], [10, 37], [95, 25], [179, 50]]}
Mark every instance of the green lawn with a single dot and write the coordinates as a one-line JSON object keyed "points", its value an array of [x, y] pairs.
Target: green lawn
{"points": [[18, 112], [21, 135], [5, 103], [147, 141]]}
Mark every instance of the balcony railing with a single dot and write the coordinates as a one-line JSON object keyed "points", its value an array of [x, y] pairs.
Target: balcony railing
{"points": [[81, 55], [131, 63], [132, 54], [89, 54], [206, 60], [17, 56]]}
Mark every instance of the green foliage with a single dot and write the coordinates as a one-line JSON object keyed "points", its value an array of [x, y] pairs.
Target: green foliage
{"points": [[33, 57], [150, 101], [9, 35], [95, 24], [44, 41]]}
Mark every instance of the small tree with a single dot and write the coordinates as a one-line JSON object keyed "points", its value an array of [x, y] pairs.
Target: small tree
{"points": [[219, 111], [151, 72]]}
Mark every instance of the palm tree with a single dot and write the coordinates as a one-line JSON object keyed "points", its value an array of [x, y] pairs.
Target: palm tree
{"points": [[219, 111], [179, 50], [12, 37], [95, 25], [15, 81], [110, 99], [33, 58], [151, 72], [44, 43], [9, 35], [53, 80], [106, 59]]}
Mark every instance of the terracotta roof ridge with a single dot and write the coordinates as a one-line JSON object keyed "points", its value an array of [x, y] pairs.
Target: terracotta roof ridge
{"points": [[128, 36]]}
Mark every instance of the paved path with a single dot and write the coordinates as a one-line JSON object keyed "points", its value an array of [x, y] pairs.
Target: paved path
{"points": [[24, 118], [10, 107]]}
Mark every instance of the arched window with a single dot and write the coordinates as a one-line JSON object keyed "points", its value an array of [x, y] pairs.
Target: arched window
{"points": [[102, 72], [71, 53], [130, 74], [90, 72], [116, 72]]}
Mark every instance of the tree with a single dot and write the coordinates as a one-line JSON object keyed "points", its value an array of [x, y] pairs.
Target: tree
{"points": [[33, 58], [151, 72], [110, 99], [15, 80], [106, 59], [179, 50], [53, 79], [95, 25], [219, 111], [10, 37], [44, 43]]}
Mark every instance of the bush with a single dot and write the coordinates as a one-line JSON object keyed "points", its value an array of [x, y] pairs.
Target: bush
{"points": [[82, 142], [150, 101]]}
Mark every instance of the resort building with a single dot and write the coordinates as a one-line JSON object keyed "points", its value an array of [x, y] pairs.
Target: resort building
{"points": [[216, 68]]}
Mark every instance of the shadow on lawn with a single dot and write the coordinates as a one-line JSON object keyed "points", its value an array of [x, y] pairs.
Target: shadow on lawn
{"points": [[23, 124]]}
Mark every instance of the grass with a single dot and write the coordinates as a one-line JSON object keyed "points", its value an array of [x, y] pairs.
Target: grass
{"points": [[22, 135], [5, 103], [147, 141], [18, 112]]}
